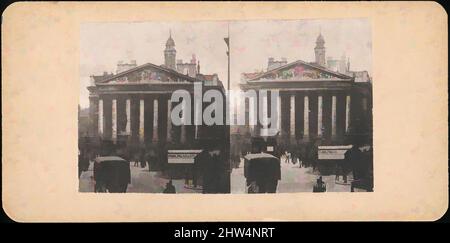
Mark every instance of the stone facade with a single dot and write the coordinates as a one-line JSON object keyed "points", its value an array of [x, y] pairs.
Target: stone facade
{"points": [[318, 105], [134, 105]]}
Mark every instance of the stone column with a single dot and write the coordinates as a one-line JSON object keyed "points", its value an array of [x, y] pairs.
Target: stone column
{"points": [[155, 120], [128, 115], [93, 115], [100, 118], [134, 120], [347, 113], [257, 119], [169, 121], [114, 120], [292, 118], [306, 118], [196, 132], [333, 116], [264, 116], [279, 114], [183, 126], [198, 119], [141, 121], [250, 105], [319, 116]]}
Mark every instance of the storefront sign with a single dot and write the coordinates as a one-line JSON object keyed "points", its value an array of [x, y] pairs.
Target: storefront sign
{"points": [[332, 152], [182, 156]]}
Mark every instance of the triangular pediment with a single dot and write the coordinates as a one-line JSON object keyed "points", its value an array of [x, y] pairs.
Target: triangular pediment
{"points": [[299, 71], [147, 73]]}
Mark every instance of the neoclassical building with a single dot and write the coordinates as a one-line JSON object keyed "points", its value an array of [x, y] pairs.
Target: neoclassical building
{"points": [[134, 104], [321, 101]]}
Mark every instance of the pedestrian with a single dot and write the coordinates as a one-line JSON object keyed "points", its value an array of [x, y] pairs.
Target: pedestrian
{"points": [[170, 188], [313, 157], [337, 170], [200, 162], [99, 178], [213, 163], [136, 157], [304, 156], [187, 178], [344, 170], [294, 157], [151, 158], [142, 159], [320, 186], [300, 157]]}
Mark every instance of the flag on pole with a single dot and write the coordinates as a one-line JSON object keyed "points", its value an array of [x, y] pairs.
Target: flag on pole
{"points": [[227, 40]]}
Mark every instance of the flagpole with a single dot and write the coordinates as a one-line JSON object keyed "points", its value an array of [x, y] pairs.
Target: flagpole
{"points": [[228, 56], [228, 128]]}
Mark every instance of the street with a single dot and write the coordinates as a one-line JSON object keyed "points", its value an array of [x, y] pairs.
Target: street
{"points": [[293, 179], [142, 180]]}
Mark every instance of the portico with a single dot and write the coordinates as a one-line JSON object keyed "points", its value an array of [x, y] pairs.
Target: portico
{"points": [[322, 108]]}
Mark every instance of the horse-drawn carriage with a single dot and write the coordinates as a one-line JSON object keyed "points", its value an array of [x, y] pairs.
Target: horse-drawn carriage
{"points": [[261, 167]]}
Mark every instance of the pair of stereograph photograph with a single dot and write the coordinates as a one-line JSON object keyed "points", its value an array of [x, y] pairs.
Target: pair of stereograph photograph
{"points": [[255, 107], [268, 102]]}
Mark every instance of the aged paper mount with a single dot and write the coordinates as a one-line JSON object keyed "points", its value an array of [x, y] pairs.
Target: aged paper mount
{"points": [[40, 90]]}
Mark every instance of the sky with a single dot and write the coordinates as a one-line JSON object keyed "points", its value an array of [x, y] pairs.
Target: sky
{"points": [[102, 45]]}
